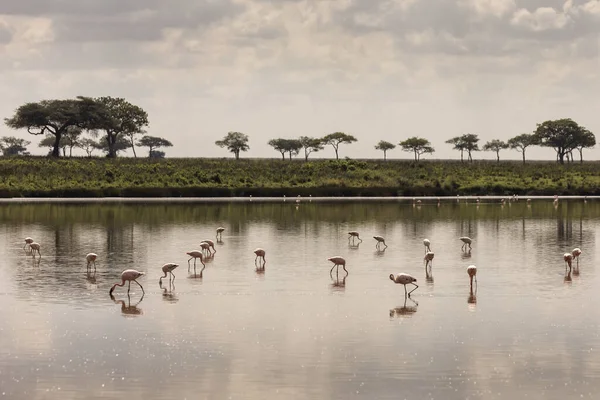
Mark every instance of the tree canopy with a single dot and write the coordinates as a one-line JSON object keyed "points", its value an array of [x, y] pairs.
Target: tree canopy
{"points": [[495, 145], [564, 136], [418, 146], [522, 142], [337, 138], [13, 146], [153, 143], [279, 145], [467, 142], [385, 146], [310, 145], [235, 142]]}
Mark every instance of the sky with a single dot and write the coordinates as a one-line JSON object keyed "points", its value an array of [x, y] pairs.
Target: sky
{"points": [[376, 69]]}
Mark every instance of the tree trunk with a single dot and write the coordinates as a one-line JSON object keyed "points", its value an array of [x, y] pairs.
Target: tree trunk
{"points": [[580, 155], [498, 156], [470, 158], [283, 155], [112, 139], [561, 158], [384, 155], [336, 153], [415, 154], [306, 154], [237, 154], [64, 149], [462, 156], [523, 156], [70, 151], [290, 154], [133, 149]]}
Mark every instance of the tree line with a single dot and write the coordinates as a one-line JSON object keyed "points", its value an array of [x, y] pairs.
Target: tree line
{"points": [[114, 125]]}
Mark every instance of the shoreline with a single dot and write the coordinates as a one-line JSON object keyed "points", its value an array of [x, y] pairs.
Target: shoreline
{"points": [[291, 200]]}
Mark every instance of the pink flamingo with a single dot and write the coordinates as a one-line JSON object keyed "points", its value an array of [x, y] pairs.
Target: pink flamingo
{"points": [[405, 279], [427, 245], [428, 258], [568, 257], [220, 232], [195, 254], [352, 235], [211, 244], [466, 242], [380, 239], [91, 259], [28, 242], [35, 247], [259, 253], [337, 261], [205, 247], [576, 253], [128, 275], [472, 271], [168, 269]]}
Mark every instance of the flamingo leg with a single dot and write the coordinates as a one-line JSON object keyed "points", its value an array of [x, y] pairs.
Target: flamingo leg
{"points": [[172, 274], [344, 266], [331, 272], [141, 287], [161, 278], [128, 288], [416, 287], [405, 293]]}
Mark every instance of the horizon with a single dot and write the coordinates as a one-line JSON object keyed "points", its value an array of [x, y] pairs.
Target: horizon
{"points": [[397, 68]]}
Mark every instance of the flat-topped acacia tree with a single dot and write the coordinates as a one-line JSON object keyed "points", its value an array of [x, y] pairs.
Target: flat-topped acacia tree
{"points": [[235, 142], [337, 138], [385, 146], [495, 145], [418, 146], [522, 142], [153, 143], [310, 145]]}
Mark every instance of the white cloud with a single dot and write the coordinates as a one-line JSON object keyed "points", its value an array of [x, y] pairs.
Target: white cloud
{"points": [[542, 19]]}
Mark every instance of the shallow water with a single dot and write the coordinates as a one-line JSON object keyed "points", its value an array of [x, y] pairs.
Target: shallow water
{"points": [[290, 331]]}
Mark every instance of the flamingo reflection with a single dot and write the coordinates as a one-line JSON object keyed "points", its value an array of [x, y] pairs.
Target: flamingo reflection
{"points": [[338, 285], [168, 294], [128, 309], [404, 310]]}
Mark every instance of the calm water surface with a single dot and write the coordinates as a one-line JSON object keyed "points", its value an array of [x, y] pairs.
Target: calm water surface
{"points": [[291, 331]]}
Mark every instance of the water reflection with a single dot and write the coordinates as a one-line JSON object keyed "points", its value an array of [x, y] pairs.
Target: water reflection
{"points": [[168, 294], [127, 309], [405, 310], [338, 285]]}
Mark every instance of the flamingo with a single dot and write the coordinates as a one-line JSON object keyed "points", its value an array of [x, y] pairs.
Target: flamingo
{"points": [[35, 247], [211, 244], [168, 269], [195, 254], [472, 271], [466, 242], [91, 259], [428, 258], [259, 253], [352, 235], [28, 242], [576, 253], [380, 240], [568, 257], [220, 232], [405, 279], [427, 243], [128, 275], [337, 261], [205, 247]]}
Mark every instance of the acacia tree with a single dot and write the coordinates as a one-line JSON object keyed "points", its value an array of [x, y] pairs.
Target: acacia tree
{"points": [[522, 142], [130, 136], [470, 140], [153, 143], [235, 143], [417, 145], [293, 147], [458, 144], [122, 144], [587, 140], [71, 139], [55, 117], [495, 145], [337, 138], [13, 146], [88, 145], [385, 146], [48, 141], [279, 145], [310, 145], [563, 135], [120, 119]]}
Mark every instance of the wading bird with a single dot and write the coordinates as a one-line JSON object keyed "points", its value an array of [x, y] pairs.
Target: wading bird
{"points": [[128, 275], [211, 244], [380, 240], [195, 254], [91, 259], [472, 271], [427, 245], [428, 258], [466, 242], [337, 261], [220, 232], [576, 253], [259, 253], [35, 247], [28, 242], [205, 248], [404, 279], [568, 257], [168, 269], [352, 235]]}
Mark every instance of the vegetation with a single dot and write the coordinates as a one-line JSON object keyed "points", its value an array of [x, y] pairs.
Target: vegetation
{"points": [[235, 142], [12, 146], [290, 146], [522, 142], [418, 146], [385, 146], [564, 136], [495, 145], [310, 145], [156, 177], [153, 143], [337, 138]]}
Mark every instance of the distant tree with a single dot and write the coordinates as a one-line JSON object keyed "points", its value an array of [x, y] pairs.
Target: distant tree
{"points": [[55, 117], [522, 142], [88, 145], [71, 139], [293, 147], [121, 119], [563, 135], [310, 145], [337, 138], [131, 136], [157, 154], [49, 142], [458, 144], [495, 145], [417, 145], [235, 143], [13, 146], [122, 144], [471, 145], [279, 145], [153, 143], [587, 140], [385, 146]]}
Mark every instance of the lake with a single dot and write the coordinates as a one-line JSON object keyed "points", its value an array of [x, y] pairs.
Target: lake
{"points": [[290, 330]]}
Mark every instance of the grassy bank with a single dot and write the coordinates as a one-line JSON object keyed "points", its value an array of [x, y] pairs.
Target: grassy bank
{"points": [[126, 177]]}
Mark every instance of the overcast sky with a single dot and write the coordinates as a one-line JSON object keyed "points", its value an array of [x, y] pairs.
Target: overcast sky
{"points": [[377, 69]]}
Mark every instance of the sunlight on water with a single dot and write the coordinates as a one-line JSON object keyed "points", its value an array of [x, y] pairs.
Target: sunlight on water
{"points": [[290, 330]]}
